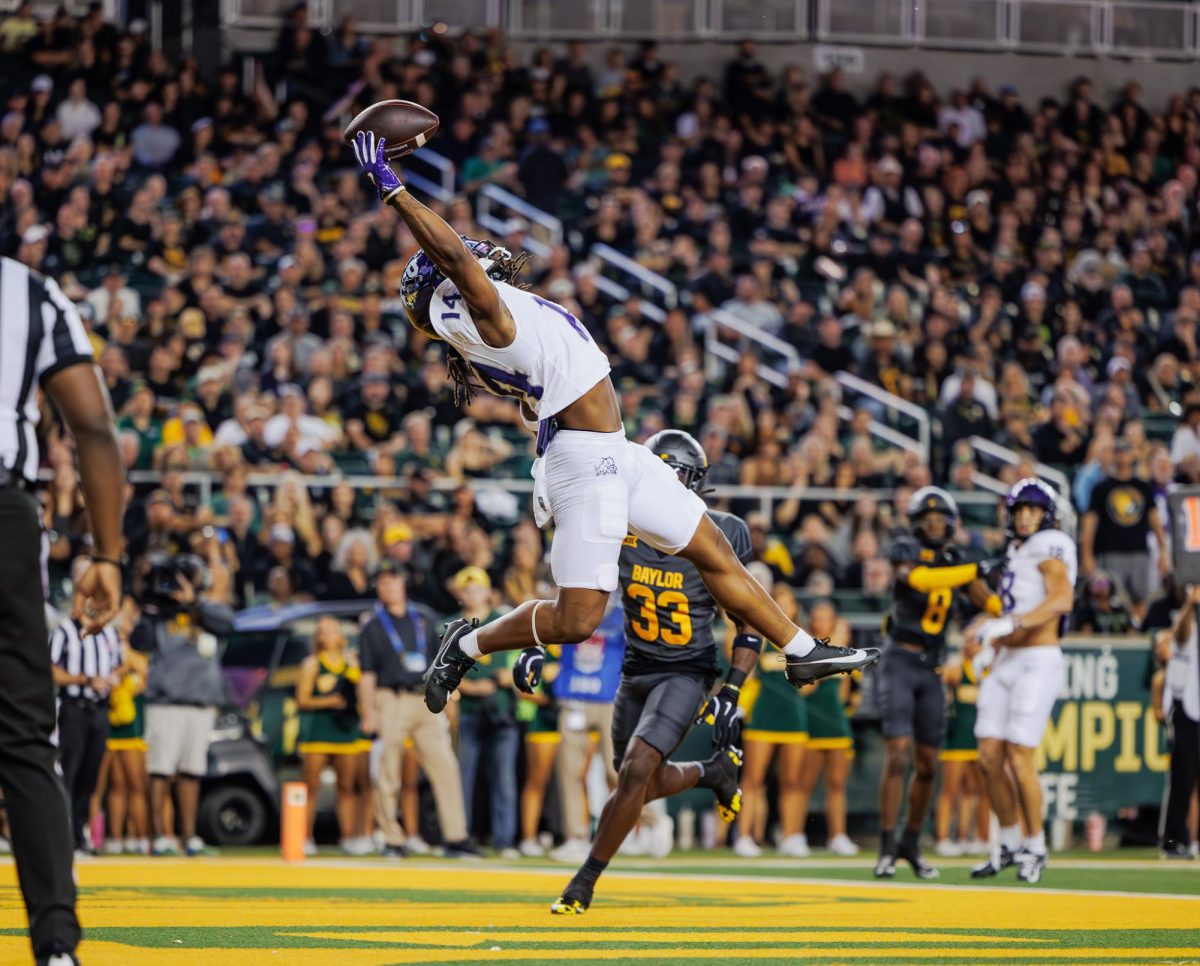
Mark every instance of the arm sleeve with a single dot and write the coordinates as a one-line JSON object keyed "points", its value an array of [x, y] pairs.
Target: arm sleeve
{"points": [[64, 339], [739, 537], [926, 579], [215, 618], [366, 648], [142, 638]]}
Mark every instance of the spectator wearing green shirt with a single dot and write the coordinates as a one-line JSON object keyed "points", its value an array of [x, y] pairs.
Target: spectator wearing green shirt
{"points": [[140, 418]]}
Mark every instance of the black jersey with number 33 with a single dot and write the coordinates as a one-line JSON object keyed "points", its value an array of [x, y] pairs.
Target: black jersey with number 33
{"points": [[669, 612], [917, 616]]}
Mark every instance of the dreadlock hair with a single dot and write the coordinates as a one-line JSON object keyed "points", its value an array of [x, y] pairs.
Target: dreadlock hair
{"points": [[505, 268]]}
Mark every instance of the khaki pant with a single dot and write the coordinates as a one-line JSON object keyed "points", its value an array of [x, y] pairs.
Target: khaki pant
{"points": [[404, 715], [576, 722]]}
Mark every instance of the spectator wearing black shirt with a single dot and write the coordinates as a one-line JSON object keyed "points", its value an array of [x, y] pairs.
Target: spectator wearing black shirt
{"points": [[1100, 612], [1115, 530], [1060, 441]]}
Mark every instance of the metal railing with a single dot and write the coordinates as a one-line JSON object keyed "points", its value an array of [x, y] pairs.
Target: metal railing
{"points": [[262, 483], [648, 283], [444, 187], [894, 403], [1129, 28], [715, 320], [1002, 454], [494, 206], [885, 433]]}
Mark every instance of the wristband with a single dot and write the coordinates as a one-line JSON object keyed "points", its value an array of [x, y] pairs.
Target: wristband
{"points": [[97, 558], [394, 193], [735, 679], [751, 642]]}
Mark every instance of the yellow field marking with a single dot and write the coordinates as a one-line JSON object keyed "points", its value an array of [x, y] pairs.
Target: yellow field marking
{"points": [[475, 913]]}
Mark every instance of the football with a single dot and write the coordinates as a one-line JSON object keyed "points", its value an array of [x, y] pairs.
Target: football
{"points": [[405, 126]]}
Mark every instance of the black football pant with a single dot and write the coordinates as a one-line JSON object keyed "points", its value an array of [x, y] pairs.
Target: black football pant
{"points": [[1185, 772], [82, 737], [33, 793]]}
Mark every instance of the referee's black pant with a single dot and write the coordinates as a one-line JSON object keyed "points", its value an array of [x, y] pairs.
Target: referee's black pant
{"points": [[33, 794], [1183, 776], [82, 736]]}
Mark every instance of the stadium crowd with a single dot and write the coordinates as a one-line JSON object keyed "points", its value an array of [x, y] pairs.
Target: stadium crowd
{"points": [[1025, 272]]}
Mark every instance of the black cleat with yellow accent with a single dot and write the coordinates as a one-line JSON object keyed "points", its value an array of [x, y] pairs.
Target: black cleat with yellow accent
{"points": [[721, 775], [574, 901]]}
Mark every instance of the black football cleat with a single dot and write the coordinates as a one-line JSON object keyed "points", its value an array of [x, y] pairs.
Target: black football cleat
{"points": [[912, 855], [1030, 866], [885, 868], [449, 665], [574, 901], [826, 659], [995, 864], [721, 775]]}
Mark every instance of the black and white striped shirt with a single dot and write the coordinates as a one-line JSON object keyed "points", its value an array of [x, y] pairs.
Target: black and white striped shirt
{"points": [[95, 655], [40, 333]]}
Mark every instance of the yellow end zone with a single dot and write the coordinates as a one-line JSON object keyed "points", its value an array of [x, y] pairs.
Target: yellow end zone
{"points": [[230, 911]]}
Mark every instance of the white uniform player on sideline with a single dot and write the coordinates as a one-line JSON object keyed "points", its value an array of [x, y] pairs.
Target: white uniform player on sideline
{"points": [[1037, 589], [596, 484]]}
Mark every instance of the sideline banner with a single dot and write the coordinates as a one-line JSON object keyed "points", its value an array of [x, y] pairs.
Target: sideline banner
{"points": [[1104, 750]]}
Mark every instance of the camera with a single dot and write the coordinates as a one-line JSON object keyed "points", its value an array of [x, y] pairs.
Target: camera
{"points": [[160, 579]]}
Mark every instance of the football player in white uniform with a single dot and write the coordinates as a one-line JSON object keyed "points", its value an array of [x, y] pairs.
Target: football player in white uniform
{"points": [[596, 484], [1037, 589]]}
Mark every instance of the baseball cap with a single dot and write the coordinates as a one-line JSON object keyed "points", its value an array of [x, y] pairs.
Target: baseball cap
{"points": [[1116, 364], [889, 165], [539, 125], [42, 84], [1032, 290], [471, 575], [617, 160], [397, 533], [34, 234], [978, 197], [282, 533]]}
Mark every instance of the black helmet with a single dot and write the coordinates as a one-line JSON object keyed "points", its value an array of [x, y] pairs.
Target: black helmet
{"points": [[683, 454], [932, 499]]}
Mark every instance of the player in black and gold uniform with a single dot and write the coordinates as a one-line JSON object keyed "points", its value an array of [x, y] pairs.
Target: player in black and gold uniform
{"points": [[912, 699], [668, 673]]}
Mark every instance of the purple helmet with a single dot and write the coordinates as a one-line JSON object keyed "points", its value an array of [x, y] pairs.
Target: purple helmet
{"points": [[421, 276], [1032, 492]]}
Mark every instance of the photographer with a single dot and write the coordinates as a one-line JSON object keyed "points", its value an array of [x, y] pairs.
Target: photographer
{"points": [[183, 688]]}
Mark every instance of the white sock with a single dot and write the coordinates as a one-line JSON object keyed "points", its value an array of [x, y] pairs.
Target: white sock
{"points": [[800, 645], [1010, 837], [469, 644], [1036, 843]]}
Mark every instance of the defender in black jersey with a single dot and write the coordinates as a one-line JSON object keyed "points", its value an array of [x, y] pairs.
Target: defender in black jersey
{"points": [[912, 700], [668, 673]]}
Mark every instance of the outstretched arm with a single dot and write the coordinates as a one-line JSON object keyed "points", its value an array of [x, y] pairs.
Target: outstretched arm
{"points": [[440, 242]]}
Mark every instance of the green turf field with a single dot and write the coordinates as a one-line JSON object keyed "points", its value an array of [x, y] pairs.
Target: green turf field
{"points": [[693, 908]]}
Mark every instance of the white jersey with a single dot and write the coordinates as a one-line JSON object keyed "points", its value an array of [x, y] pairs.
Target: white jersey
{"points": [[1023, 585], [551, 362]]}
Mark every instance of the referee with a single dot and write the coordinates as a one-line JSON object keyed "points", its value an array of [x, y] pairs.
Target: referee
{"points": [[84, 665], [43, 343]]}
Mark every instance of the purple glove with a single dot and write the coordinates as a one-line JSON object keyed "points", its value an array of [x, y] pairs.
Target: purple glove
{"points": [[369, 154]]}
